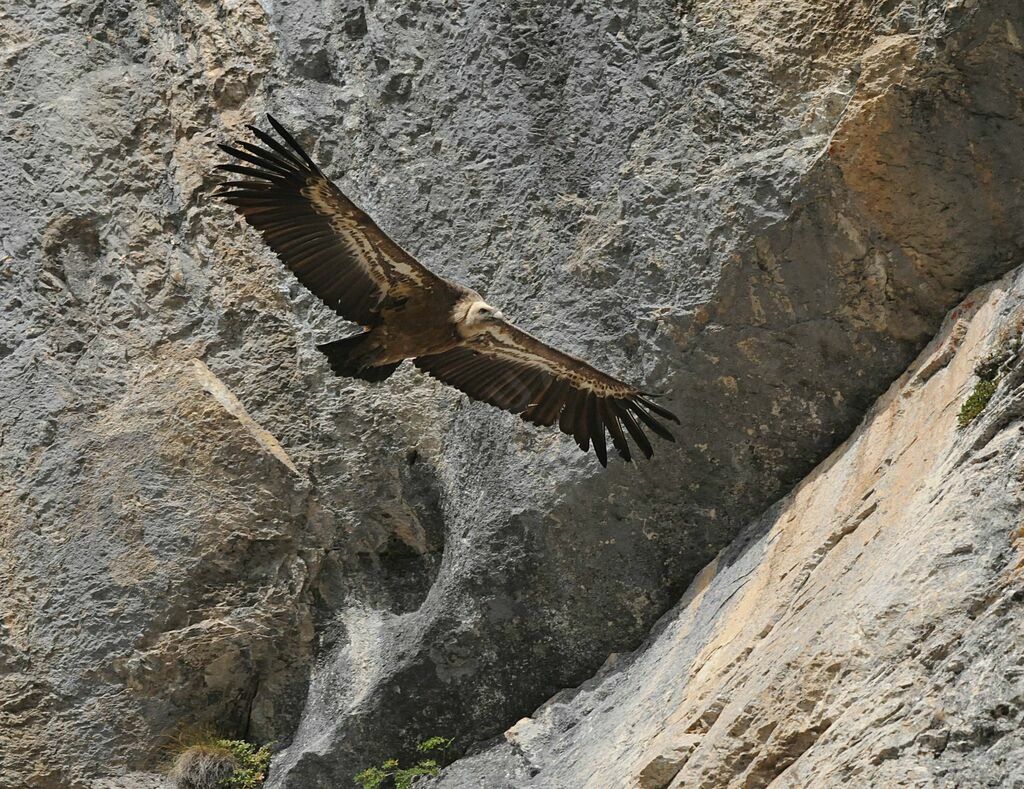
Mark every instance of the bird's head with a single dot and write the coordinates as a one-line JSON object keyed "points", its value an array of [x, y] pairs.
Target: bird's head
{"points": [[480, 312]]}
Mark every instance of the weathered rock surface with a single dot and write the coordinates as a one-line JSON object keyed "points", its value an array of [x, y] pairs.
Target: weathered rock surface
{"points": [[766, 208], [868, 630], [166, 572]]}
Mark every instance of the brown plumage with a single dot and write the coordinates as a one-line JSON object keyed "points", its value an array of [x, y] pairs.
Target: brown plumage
{"points": [[408, 312]]}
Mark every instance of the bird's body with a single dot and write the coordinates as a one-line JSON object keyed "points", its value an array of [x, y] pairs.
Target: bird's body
{"points": [[409, 329], [407, 312]]}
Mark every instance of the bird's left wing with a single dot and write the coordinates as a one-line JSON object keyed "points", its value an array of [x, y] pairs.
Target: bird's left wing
{"points": [[513, 370], [325, 239]]}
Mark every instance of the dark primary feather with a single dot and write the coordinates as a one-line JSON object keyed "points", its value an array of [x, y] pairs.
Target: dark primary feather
{"points": [[270, 142], [291, 142], [635, 431], [615, 430]]}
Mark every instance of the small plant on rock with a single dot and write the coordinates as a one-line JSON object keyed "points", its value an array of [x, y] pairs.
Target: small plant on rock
{"points": [[251, 765], [391, 774], [988, 371], [221, 764], [976, 403], [990, 367], [203, 766]]}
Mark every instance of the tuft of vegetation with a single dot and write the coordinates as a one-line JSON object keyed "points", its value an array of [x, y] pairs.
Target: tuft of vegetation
{"points": [[391, 774], [202, 766], [221, 764], [252, 764], [976, 403], [989, 367]]}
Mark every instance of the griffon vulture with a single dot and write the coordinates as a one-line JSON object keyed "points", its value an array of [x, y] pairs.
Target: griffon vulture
{"points": [[408, 312]]}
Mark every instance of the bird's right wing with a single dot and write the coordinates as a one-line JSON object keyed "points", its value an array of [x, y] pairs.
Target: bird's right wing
{"points": [[513, 370], [325, 239]]}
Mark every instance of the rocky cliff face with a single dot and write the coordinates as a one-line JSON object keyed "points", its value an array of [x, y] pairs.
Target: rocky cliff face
{"points": [[765, 208], [867, 630]]}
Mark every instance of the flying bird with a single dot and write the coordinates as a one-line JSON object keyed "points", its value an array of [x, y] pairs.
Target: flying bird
{"points": [[408, 312]]}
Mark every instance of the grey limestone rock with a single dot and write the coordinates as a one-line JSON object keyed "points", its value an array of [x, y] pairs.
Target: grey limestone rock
{"points": [[765, 209]]}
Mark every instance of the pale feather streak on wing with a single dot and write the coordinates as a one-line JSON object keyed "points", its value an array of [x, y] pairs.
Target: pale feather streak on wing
{"points": [[325, 239], [516, 372]]}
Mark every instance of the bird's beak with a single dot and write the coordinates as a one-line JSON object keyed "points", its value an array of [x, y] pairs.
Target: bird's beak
{"points": [[499, 315]]}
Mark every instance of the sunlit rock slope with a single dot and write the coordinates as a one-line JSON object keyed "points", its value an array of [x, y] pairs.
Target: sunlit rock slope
{"points": [[868, 630]]}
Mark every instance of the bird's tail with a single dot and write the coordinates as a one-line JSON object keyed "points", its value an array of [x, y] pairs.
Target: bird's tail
{"points": [[348, 357]]}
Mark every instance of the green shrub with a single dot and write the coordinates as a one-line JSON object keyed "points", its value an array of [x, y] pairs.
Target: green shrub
{"points": [[976, 403], [252, 764], [402, 777]]}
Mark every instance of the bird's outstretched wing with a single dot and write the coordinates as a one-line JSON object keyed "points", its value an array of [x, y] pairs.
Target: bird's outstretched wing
{"points": [[515, 371], [325, 239]]}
